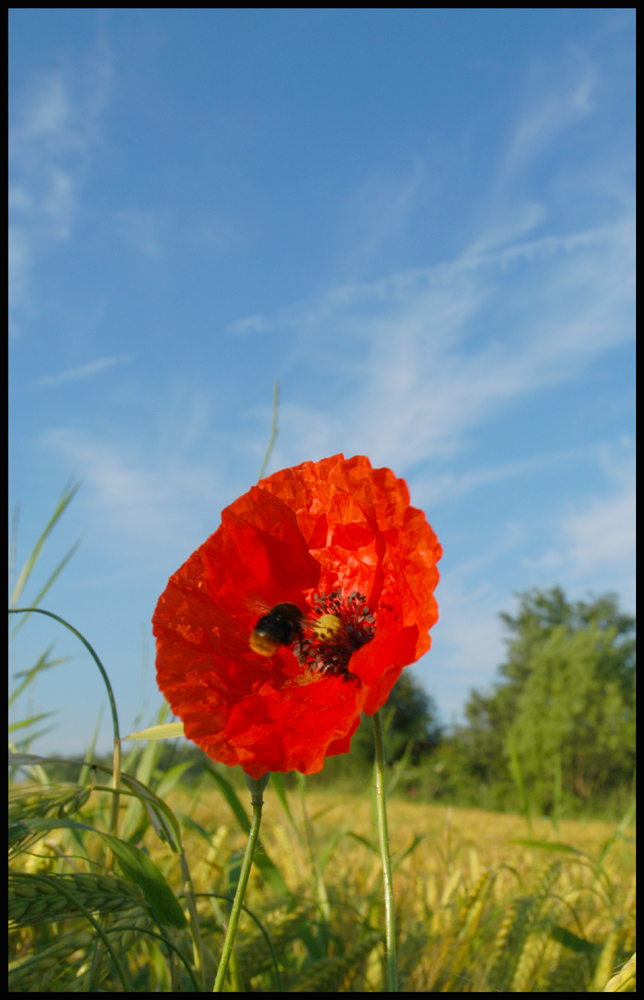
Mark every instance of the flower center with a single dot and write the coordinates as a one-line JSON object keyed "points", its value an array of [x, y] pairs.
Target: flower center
{"points": [[333, 632]]}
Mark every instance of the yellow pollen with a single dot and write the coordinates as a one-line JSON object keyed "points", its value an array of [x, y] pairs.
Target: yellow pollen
{"points": [[327, 626]]}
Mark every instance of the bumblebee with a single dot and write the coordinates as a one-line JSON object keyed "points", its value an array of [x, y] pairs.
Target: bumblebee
{"points": [[280, 627]]}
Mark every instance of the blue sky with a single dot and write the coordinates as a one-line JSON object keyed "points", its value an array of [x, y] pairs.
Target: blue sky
{"points": [[421, 222]]}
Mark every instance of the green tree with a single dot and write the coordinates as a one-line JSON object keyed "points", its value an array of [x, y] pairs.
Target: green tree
{"points": [[565, 711]]}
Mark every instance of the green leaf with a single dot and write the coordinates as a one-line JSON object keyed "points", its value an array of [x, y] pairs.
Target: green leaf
{"points": [[548, 845], [144, 873], [137, 866], [570, 940], [67, 496], [165, 732]]}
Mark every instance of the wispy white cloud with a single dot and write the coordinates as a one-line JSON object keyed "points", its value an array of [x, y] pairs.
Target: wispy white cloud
{"points": [[442, 487], [602, 534], [250, 324], [83, 371], [377, 215], [415, 361], [54, 131], [596, 535], [558, 98], [145, 505], [141, 230]]}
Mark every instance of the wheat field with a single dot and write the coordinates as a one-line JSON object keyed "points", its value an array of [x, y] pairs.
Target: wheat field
{"points": [[482, 903]]}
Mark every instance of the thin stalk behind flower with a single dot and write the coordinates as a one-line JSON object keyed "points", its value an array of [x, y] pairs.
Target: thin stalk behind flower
{"points": [[256, 787], [321, 895], [383, 834]]}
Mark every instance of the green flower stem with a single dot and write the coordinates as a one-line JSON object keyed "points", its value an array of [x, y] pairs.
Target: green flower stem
{"points": [[388, 889], [256, 787]]}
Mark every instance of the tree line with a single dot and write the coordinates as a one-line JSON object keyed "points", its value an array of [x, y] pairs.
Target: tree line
{"points": [[556, 731]]}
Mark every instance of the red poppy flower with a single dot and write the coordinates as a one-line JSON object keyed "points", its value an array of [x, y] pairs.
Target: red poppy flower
{"points": [[353, 566]]}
